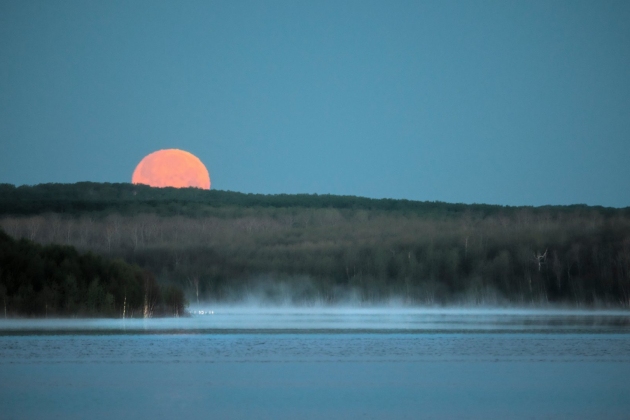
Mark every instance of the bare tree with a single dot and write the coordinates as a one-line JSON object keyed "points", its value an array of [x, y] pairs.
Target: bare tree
{"points": [[33, 224], [3, 294], [540, 259], [55, 227], [68, 230], [109, 236], [85, 228], [557, 269], [194, 282], [151, 291]]}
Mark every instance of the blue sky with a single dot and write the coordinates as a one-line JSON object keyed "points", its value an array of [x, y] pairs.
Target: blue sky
{"points": [[518, 103]]}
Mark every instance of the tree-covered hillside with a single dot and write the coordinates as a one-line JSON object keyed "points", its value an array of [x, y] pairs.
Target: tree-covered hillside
{"points": [[56, 280], [225, 246], [129, 199]]}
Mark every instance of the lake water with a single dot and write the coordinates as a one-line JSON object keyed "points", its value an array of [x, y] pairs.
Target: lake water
{"points": [[328, 363]]}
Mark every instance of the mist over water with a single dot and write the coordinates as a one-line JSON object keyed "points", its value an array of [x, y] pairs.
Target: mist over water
{"points": [[335, 362], [349, 319]]}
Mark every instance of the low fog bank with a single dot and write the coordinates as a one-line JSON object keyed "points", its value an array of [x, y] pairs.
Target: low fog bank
{"points": [[303, 292], [393, 309], [253, 318]]}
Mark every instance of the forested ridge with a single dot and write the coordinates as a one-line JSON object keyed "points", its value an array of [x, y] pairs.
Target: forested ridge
{"points": [[105, 198], [227, 246]]}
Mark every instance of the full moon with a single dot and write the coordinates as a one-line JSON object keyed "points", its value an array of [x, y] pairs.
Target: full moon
{"points": [[171, 168]]}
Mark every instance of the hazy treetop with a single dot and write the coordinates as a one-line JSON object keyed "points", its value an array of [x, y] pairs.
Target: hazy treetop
{"points": [[107, 198]]}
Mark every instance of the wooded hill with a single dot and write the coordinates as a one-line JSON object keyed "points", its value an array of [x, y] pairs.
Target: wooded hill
{"points": [[226, 246], [56, 280], [104, 198]]}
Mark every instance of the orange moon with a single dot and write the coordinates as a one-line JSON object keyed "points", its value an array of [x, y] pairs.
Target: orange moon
{"points": [[171, 168]]}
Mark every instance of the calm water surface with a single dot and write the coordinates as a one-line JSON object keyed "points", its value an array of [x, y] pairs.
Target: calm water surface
{"points": [[257, 363]]}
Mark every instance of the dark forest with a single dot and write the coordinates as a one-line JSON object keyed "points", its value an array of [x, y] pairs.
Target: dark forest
{"points": [[222, 246]]}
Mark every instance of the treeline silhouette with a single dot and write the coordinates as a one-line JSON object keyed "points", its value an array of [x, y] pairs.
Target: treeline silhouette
{"points": [[56, 280], [225, 246], [128, 199]]}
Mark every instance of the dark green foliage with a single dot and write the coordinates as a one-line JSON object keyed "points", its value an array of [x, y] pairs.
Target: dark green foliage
{"points": [[56, 280], [221, 245], [129, 199]]}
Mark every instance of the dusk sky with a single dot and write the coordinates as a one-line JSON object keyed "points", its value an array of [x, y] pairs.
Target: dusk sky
{"points": [[501, 102]]}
